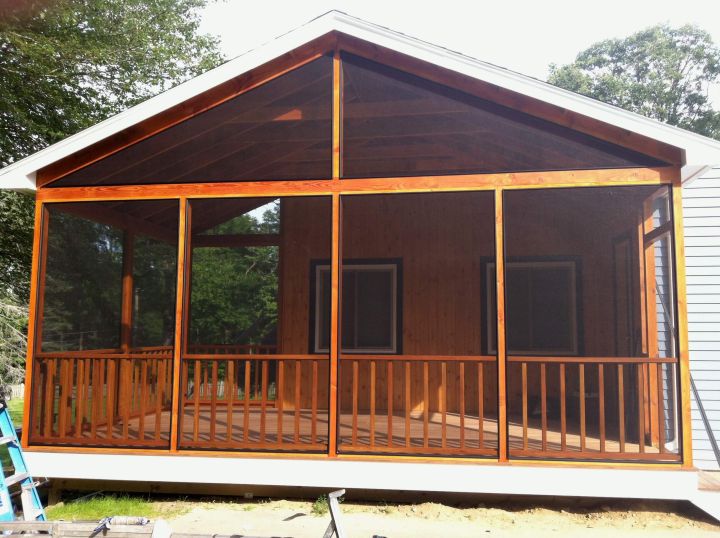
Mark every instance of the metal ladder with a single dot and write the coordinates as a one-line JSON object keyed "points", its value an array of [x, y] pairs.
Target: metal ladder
{"points": [[30, 500]]}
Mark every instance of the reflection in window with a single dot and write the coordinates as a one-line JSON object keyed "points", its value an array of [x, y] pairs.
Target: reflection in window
{"points": [[542, 307], [370, 303]]}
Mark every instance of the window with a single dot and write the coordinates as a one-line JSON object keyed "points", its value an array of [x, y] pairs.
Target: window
{"points": [[370, 319], [541, 307]]}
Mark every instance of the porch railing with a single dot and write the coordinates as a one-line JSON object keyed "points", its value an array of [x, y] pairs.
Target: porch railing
{"points": [[418, 404], [251, 398], [608, 408], [254, 401], [102, 398]]}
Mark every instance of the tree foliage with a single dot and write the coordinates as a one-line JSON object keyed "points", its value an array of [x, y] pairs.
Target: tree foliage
{"points": [[234, 290], [662, 72], [72, 63], [64, 66]]}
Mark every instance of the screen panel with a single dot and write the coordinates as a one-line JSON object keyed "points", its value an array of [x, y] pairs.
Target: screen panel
{"points": [[397, 124], [281, 130]]}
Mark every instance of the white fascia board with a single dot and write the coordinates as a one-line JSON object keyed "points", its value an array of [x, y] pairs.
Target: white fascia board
{"points": [[378, 475], [699, 150]]}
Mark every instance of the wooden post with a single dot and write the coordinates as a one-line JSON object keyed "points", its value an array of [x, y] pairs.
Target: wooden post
{"points": [[501, 351], [128, 289], [336, 260], [37, 289], [682, 322], [180, 308], [335, 283]]}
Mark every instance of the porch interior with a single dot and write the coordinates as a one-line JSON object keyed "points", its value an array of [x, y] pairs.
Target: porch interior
{"points": [[591, 362]]}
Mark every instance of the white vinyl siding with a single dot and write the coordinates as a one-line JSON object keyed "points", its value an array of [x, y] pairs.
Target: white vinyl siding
{"points": [[701, 212]]}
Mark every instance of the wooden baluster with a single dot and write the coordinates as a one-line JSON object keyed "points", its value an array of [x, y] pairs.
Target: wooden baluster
{"points": [[80, 405], [229, 399], [563, 410], [481, 402], [426, 399], [390, 403], [601, 405], [88, 395], [408, 403], [196, 398], [184, 393], [205, 384], [101, 365], [213, 399], [128, 383], [543, 403], [263, 400], [581, 374], [354, 402], [143, 398], [246, 413], [641, 408], [372, 404], [159, 397], [280, 399], [62, 407], [462, 404], [524, 405], [661, 408], [298, 398], [97, 399], [443, 403], [110, 371], [621, 408], [313, 403]]}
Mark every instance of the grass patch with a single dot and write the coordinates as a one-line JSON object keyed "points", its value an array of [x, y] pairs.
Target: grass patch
{"points": [[100, 506], [16, 411], [320, 507]]}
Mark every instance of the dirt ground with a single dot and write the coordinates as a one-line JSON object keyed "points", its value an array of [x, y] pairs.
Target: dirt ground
{"points": [[284, 518]]}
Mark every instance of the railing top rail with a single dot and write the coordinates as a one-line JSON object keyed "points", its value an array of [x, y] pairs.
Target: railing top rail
{"points": [[595, 360], [252, 356], [420, 358], [101, 355]]}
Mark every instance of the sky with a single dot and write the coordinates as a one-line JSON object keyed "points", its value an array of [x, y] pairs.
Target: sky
{"points": [[524, 36]]}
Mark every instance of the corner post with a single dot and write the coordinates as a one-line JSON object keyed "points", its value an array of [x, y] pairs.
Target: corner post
{"points": [[501, 345], [682, 322], [180, 315], [37, 291]]}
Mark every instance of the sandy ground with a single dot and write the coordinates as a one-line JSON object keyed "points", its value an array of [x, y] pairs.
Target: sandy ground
{"points": [[283, 518]]}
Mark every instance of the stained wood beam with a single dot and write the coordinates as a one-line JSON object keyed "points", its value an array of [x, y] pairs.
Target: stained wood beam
{"points": [[319, 187]]}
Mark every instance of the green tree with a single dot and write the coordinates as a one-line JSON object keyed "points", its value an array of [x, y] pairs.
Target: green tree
{"points": [[69, 64], [64, 66], [662, 72]]}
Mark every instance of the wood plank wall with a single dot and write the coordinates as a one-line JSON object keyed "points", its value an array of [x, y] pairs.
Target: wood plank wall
{"points": [[442, 240]]}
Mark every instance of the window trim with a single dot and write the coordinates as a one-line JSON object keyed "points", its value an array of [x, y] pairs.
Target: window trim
{"points": [[489, 328], [316, 269]]}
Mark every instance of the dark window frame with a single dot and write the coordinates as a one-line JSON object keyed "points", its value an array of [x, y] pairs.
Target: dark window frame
{"points": [[488, 329], [313, 320]]}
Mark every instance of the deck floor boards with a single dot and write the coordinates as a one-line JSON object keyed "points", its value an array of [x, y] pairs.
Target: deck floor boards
{"points": [[297, 435]]}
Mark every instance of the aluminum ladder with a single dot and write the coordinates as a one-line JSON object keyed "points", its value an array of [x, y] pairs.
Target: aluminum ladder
{"points": [[30, 500]]}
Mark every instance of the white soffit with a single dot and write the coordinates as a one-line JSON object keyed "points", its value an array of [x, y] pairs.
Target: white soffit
{"points": [[700, 151]]}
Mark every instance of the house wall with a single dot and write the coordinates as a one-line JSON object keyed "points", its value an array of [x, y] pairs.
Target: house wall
{"points": [[442, 240], [701, 212]]}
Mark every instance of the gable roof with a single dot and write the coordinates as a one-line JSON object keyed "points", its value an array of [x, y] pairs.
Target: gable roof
{"points": [[700, 152]]}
